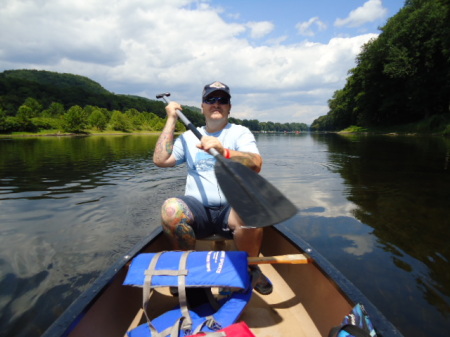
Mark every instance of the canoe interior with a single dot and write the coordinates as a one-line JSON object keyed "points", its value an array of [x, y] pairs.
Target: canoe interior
{"points": [[305, 302]]}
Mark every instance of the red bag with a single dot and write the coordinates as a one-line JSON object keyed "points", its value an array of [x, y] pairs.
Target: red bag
{"points": [[235, 330]]}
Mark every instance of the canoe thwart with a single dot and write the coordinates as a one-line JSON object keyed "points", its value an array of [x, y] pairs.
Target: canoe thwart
{"points": [[287, 259]]}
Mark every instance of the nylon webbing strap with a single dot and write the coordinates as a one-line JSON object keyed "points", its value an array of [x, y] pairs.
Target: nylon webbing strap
{"points": [[211, 323], [167, 272], [147, 290], [187, 322]]}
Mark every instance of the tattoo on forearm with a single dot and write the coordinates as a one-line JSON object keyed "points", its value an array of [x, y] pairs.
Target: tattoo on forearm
{"points": [[251, 160], [164, 145]]}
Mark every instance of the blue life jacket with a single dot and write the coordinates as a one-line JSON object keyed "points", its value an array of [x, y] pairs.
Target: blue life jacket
{"points": [[191, 270]]}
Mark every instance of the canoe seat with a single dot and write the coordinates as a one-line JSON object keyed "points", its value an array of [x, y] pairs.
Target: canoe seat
{"points": [[214, 237], [218, 242]]}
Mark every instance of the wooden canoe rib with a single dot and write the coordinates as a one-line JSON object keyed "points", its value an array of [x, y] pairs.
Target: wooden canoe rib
{"points": [[309, 298]]}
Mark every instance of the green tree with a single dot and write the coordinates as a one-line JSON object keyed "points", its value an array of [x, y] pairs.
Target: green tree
{"points": [[75, 120], [180, 127], [88, 109], [403, 76], [159, 125], [46, 123], [54, 110], [119, 121], [97, 119], [31, 107], [134, 118], [252, 124], [24, 119], [3, 126]]}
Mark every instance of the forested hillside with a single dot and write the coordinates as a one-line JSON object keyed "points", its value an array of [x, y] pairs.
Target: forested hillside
{"points": [[401, 77], [32, 100]]}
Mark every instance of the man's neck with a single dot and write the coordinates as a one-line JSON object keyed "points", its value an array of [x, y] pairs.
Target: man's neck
{"points": [[215, 126]]}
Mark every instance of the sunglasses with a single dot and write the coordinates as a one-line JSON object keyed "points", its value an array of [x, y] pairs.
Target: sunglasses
{"points": [[220, 100]]}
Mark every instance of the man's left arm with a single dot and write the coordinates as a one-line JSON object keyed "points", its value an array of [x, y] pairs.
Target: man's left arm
{"points": [[247, 152], [252, 160]]}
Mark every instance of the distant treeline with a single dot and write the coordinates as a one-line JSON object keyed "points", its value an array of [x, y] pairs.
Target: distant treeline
{"points": [[401, 77], [32, 100]]}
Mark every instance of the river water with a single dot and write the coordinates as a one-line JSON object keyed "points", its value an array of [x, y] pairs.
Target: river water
{"points": [[376, 206]]}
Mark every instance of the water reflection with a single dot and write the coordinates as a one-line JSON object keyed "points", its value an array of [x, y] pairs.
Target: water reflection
{"points": [[381, 217], [69, 208], [402, 189], [48, 167]]}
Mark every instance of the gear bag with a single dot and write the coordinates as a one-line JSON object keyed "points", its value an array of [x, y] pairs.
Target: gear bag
{"points": [[356, 324]]}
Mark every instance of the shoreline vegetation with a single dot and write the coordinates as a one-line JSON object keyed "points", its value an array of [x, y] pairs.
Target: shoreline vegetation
{"points": [[437, 125], [56, 133], [36, 101], [400, 77], [423, 128]]}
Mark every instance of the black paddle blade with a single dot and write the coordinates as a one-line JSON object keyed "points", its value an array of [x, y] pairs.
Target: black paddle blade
{"points": [[258, 203]]}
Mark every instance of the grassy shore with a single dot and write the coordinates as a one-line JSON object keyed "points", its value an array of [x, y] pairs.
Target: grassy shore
{"points": [[435, 125], [59, 133]]}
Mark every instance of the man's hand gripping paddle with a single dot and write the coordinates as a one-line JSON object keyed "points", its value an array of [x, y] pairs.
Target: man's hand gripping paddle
{"points": [[256, 201]]}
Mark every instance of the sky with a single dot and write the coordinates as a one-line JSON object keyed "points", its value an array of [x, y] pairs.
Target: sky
{"points": [[282, 59]]}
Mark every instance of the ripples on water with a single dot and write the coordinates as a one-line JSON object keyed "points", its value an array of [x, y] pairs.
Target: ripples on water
{"points": [[65, 217]]}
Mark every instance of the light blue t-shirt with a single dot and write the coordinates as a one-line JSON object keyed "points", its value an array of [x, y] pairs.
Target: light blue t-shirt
{"points": [[201, 182]]}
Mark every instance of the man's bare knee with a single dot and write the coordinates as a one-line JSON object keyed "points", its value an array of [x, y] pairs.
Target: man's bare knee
{"points": [[175, 211], [176, 220]]}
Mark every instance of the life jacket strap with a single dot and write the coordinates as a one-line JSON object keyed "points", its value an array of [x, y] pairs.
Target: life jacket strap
{"points": [[182, 272]]}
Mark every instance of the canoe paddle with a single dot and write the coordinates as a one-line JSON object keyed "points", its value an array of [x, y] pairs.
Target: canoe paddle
{"points": [[281, 259], [258, 202]]}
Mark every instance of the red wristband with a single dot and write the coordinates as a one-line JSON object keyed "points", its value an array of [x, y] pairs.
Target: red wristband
{"points": [[226, 153]]}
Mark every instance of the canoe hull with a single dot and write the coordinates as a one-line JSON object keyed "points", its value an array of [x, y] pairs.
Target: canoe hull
{"points": [[308, 299]]}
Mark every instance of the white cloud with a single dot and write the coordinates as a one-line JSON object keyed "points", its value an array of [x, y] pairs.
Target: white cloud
{"points": [[362, 244], [371, 11], [307, 28], [260, 29], [145, 47]]}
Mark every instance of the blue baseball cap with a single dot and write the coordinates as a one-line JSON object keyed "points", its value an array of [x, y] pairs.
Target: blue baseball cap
{"points": [[215, 86]]}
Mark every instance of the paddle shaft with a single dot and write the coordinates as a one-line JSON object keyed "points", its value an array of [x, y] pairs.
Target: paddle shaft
{"points": [[283, 259]]}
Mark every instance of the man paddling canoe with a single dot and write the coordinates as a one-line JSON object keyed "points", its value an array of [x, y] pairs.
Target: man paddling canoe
{"points": [[204, 210]]}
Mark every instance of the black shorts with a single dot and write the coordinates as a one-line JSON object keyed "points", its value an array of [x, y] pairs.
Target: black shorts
{"points": [[208, 220]]}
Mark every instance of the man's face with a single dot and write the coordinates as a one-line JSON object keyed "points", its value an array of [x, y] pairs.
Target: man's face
{"points": [[214, 108]]}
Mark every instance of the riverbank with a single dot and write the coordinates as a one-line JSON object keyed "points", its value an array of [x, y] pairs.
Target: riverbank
{"points": [[56, 133], [438, 125], [434, 126]]}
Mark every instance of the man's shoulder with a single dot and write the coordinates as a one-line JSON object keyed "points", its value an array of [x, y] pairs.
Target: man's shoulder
{"points": [[238, 127]]}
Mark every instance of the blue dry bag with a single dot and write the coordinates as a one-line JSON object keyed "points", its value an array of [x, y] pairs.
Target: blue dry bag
{"points": [[356, 324]]}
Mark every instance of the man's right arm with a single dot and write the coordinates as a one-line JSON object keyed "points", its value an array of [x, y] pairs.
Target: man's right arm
{"points": [[162, 156]]}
